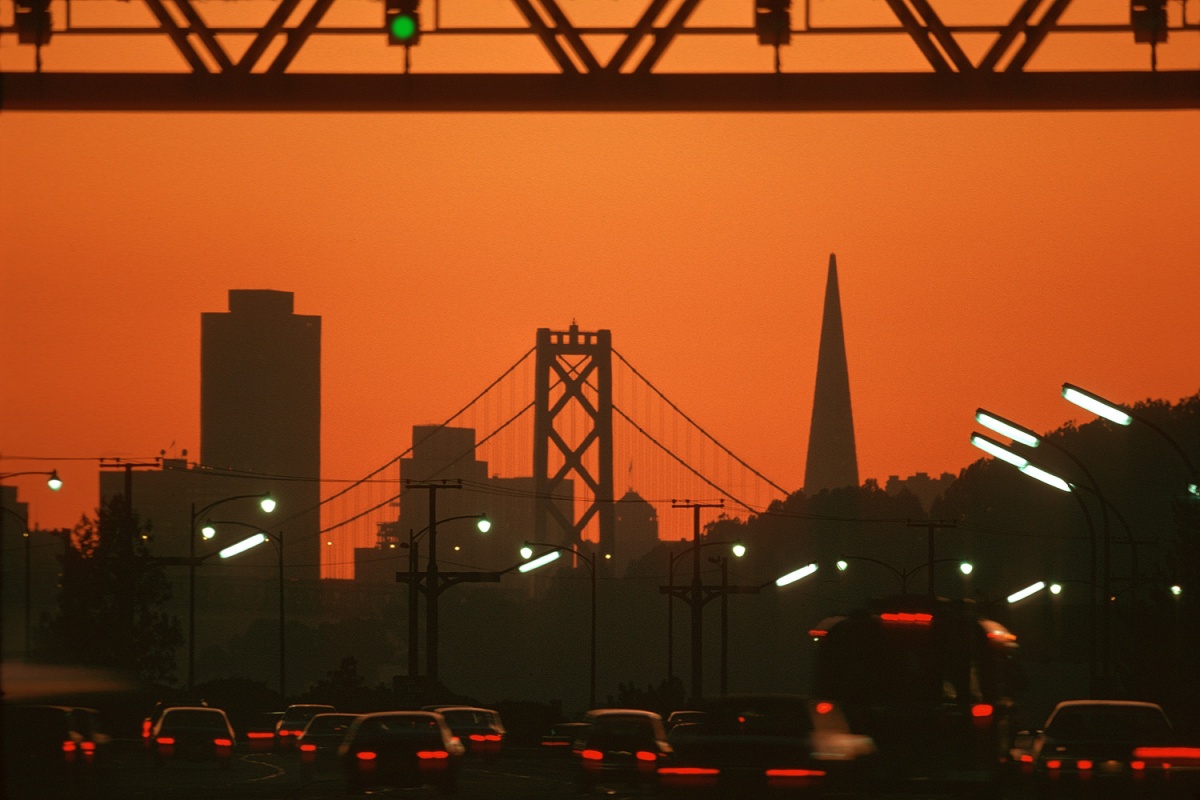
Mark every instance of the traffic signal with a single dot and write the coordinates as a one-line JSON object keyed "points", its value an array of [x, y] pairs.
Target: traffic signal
{"points": [[32, 19], [773, 21], [1149, 20], [403, 21]]}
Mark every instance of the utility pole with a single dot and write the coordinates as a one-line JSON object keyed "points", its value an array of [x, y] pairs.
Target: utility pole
{"points": [[696, 594], [431, 573], [932, 525]]}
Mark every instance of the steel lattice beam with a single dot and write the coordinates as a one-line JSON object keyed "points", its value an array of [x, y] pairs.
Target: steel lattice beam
{"points": [[625, 92]]}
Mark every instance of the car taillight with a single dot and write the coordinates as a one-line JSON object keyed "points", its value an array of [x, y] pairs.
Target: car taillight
{"points": [[259, 735], [165, 740], [477, 737], [688, 771], [795, 773], [646, 755], [1175, 753], [430, 755], [87, 747], [592, 755], [1083, 764], [365, 755], [69, 746], [1137, 765], [492, 737], [982, 710], [223, 742], [1026, 758], [824, 707], [146, 729], [1053, 763], [308, 748]]}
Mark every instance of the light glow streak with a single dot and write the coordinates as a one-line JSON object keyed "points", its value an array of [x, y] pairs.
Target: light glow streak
{"points": [[1095, 404], [1005, 428], [796, 575], [1046, 477], [1018, 596], [243, 545], [907, 618], [540, 561], [994, 448]]}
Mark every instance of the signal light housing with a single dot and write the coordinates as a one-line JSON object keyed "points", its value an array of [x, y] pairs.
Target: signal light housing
{"points": [[402, 20], [773, 21]]}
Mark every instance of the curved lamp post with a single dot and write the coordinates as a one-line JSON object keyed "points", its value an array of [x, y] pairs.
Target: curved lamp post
{"points": [[738, 549], [965, 567], [556, 550], [54, 483], [1027, 467], [267, 504], [483, 524], [241, 547], [1115, 413]]}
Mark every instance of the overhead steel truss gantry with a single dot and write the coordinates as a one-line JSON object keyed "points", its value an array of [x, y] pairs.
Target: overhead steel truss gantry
{"points": [[263, 65]]}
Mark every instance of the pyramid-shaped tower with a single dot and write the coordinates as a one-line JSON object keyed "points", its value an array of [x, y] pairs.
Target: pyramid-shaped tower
{"points": [[832, 462]]}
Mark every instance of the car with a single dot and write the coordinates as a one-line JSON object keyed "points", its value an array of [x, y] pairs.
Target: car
{"points": [[192, 733], [295, 718], [561, 738], [319, 741], [151, 719], [621, 746], [58, 748], [679, 717], [479, 729], [1103, 745], [762, 744], [404, 749]]}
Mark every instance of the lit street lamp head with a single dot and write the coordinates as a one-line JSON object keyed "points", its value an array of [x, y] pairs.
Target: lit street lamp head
{"points": [[484, 525], [55, 483], [267, 503], [208, 531], [739, 549], [1095, 404], [243, 545], [1004, 427]]}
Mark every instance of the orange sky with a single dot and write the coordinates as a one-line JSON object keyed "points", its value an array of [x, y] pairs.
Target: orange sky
{"points": [[984, 259]]}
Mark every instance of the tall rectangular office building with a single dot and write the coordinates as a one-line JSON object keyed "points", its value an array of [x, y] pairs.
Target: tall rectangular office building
{"points": [[260, 411]]}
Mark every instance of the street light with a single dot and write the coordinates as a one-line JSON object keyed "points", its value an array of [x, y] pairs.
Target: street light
{"points": [[1050, 479], [243, 546], [484, 525], [541, 561], [1111, 411], [965, 567], [54, 483], [267, 504], [738, 549]]}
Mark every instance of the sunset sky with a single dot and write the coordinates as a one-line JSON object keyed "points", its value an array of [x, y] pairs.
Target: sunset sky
{"points": [[984, 259]]}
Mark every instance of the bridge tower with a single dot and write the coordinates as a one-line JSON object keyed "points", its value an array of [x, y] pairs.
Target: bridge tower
{"points": [[573, 380]]}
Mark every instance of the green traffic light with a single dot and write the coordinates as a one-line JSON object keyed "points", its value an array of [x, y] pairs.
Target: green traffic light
{"points": [[403, 27]]}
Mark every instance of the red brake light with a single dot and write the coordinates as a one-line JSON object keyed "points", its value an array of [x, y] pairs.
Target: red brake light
{"points": [[817, 633], [592, 755], [492, 737], [824, 707], [259, 735], [1053, 763], [981, 710], [646, 755], [87, 747], [145, 729], [165, 740], [68, 746], [426, 755], [1026, 759], [907, 618], [688, 771], [223, 742], [1137, 765], [795, 773], [477, 737], [1083, 764], [308, 748], [1167, 752], [365, 755]]}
